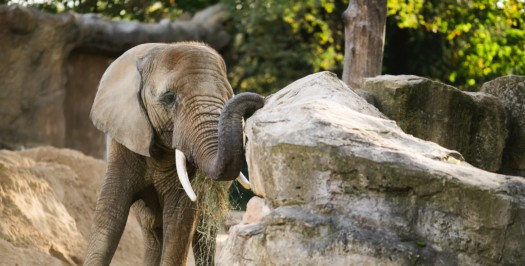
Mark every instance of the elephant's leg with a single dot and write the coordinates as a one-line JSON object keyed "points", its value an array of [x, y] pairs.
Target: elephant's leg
{"points": [[110, 219], [149, 215], [204, 245], [113, 204], [179, 224]]}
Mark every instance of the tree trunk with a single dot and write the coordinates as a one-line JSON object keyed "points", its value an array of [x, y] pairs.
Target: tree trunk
{"points": [[364, 22]]}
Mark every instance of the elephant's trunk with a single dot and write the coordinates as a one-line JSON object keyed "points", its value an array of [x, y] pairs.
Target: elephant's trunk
{"points": [[227, 162], [224, 162]]}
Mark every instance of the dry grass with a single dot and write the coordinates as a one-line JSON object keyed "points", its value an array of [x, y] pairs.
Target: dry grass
{"points": [[214, 207]]}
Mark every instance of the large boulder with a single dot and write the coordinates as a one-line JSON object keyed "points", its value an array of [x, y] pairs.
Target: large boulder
{"points": [[346, 186], [47, 203], [472, 123], [510, 90]]}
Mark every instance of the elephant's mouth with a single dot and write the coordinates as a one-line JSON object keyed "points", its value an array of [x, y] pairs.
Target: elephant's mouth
{"points": [[182, 173]]}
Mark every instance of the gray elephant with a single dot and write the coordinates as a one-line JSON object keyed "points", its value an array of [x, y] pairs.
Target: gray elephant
{"points": [[169, 112]]}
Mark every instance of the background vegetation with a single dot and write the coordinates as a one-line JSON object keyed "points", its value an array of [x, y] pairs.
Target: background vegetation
{"points": [[463, 43]]}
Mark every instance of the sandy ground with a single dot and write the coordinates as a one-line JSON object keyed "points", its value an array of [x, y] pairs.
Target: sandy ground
{"points": [[47, 201]]}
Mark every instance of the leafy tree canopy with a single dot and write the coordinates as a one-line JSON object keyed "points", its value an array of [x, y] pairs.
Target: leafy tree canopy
{"points": [[479, 39]]}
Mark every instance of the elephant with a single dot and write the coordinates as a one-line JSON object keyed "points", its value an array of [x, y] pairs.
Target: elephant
{"points": [[169, 113]]}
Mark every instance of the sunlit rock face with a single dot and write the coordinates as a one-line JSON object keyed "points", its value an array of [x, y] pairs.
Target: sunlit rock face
{"points": [[346, 186], [510, 90], [473, 123]]}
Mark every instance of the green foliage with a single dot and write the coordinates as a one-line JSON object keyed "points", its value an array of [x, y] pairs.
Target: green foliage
{"points": [[479, 39], [276, 42]]}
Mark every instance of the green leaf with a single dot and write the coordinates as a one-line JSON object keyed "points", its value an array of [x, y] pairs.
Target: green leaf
{"points": [[421, 244]]}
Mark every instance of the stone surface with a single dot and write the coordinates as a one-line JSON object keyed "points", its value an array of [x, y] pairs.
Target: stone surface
{"points": [[255, 210], [83, 75], [347, 186], [47, 198], [472, 123], [510, 90], [98, 34], [43, 82], [33, 75]]}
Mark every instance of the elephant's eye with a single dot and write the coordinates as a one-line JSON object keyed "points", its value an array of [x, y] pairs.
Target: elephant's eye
{"points": [[168, 98]]}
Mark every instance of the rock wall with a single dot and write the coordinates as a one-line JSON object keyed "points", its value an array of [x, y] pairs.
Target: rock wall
{"points": [[510, 91], [475, 124], [51, 64], [487, 127], [346, 186], [83, 74]]}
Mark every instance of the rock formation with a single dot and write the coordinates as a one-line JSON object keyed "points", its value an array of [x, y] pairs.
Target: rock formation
{"points": [[510, 90], [346, 186], [474, 124], [47, 58]]}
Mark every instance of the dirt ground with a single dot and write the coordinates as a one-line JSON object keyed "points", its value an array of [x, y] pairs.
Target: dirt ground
{"points": [[47, 201]]}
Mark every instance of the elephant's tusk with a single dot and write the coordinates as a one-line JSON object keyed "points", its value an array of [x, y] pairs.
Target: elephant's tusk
{"points": [[243, 181], [180, 161]]}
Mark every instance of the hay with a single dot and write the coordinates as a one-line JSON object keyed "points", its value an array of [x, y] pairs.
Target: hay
{"points": [[214, 207]]}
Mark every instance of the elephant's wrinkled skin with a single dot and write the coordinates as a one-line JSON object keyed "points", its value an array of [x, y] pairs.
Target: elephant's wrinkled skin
{"points": [[153, 100]]}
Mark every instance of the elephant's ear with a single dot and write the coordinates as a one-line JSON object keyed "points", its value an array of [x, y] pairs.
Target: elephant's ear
{"points": [[118, 110]]}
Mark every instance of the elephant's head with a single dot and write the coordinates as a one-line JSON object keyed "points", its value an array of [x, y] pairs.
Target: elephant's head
{"points": [[175, 96]]}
